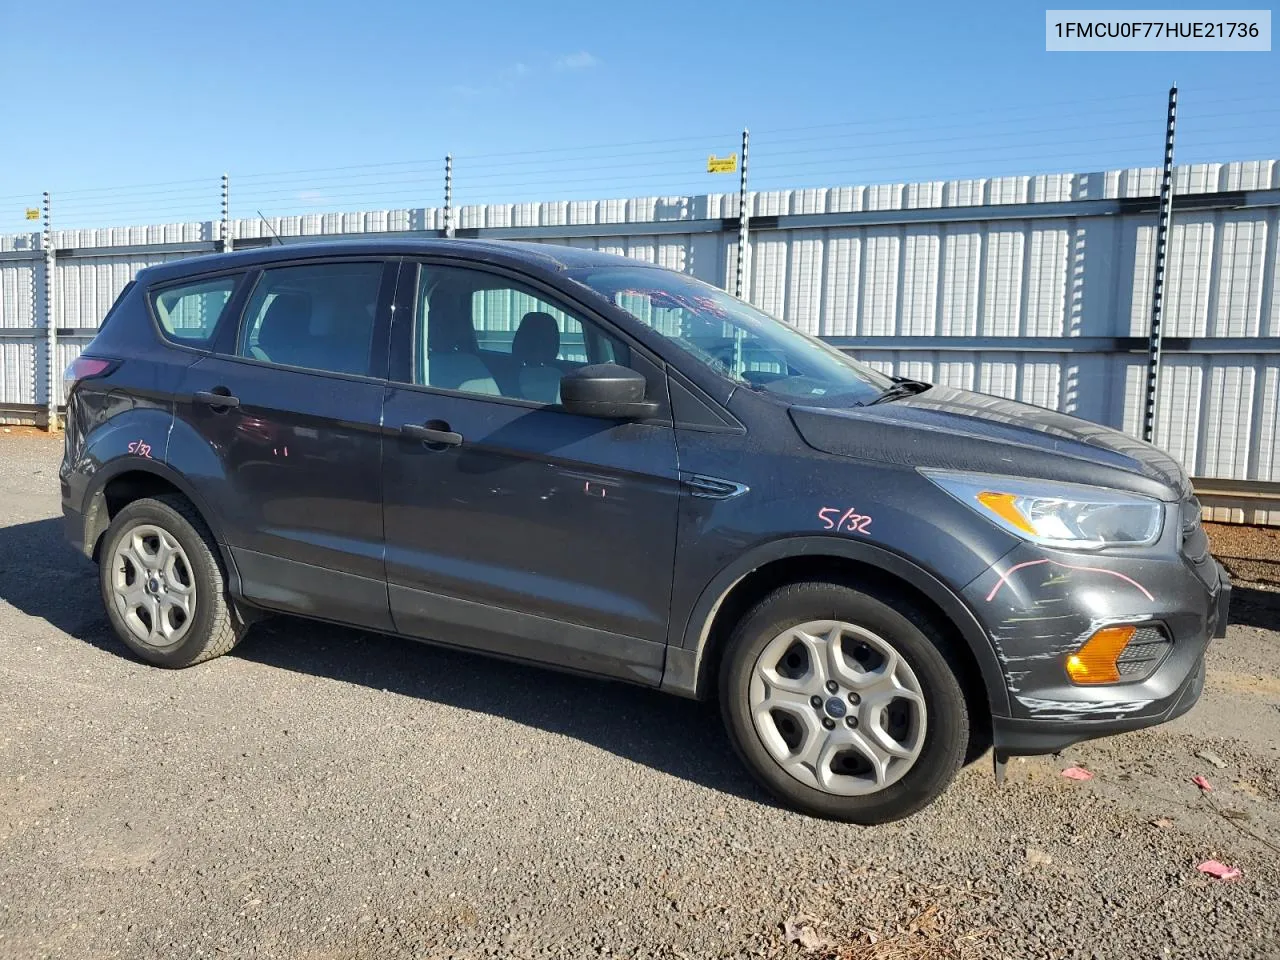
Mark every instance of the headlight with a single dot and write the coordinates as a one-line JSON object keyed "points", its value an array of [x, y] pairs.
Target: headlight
{"points": [[1057, 514]]}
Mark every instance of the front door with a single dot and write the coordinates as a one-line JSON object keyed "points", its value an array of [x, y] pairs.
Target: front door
{"points": [[511, 525], [291, 410]]}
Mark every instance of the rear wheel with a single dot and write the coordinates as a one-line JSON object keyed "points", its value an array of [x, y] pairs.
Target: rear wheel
{"points": [[163, 584], [842, 702]]}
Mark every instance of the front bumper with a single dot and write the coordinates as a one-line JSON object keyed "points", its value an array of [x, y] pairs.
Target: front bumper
{"points": [[1013, 736], [1040, 606]]}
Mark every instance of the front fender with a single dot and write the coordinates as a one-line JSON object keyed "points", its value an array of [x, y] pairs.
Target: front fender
{"points": [[685, 664]]}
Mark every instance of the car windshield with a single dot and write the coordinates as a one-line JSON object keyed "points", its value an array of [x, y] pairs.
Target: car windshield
{"points": [[735, 339]]}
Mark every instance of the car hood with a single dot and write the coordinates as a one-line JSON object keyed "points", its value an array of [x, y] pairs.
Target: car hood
{"points": [[961, 430]]}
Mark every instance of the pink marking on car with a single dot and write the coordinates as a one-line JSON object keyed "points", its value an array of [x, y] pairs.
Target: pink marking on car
{"points": [[850, 522], [1004, 577]]}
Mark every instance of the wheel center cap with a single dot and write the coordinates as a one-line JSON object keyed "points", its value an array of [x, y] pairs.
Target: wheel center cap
{"points": [[836, 708], [153, 585]]}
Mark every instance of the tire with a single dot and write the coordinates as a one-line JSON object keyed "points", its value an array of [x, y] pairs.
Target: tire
{"points": [[764, 696], [161, 542]]}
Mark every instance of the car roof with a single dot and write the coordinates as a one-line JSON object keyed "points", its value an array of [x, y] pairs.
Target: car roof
{"points": [[553, 257]]}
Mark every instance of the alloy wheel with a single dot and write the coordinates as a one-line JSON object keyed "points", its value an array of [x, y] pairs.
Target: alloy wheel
{"points": [[152, 585], [838, 707]]}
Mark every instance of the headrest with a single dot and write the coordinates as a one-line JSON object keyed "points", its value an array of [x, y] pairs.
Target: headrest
{"points": [[537, 339]]}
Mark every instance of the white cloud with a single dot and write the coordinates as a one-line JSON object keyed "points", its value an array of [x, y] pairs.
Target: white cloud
{"points": [[503, 80], [577, 61], [519, 73]]}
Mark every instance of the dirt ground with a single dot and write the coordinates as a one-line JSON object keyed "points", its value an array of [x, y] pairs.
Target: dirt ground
{"points": [[327, 793], [1250, 554]]}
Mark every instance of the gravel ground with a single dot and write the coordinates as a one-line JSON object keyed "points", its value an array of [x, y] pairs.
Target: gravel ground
{"points": [[323, 793], [1250, 553]]}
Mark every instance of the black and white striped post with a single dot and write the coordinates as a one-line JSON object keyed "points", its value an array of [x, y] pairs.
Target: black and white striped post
{"points": [[224, 226], [51, 326], [1165, 215], [448, 194], [744, 218]]}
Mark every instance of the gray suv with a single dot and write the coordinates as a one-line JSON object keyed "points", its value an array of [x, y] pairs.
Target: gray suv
{"points": [[595, 464]]}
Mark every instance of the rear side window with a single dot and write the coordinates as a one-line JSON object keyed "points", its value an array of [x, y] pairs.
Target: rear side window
{"points": [[189, 313], [318, 316]]}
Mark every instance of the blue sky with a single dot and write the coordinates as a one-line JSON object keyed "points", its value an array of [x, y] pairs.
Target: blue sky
{"points": [[130, 111]]}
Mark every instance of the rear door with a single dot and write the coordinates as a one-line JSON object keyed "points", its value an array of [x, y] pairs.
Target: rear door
{"points": [[513, 526], [284, 438]]}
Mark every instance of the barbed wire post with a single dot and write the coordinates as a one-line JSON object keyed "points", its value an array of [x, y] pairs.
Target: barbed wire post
{"points": [[51, 327], [224, 228], [448, 194], [1164, 217], [743, 216]]}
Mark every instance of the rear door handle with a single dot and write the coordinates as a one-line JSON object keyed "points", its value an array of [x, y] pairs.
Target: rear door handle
{"points": [[216, 398], [445, 438]]}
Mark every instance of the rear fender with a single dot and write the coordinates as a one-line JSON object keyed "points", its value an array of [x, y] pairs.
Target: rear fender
{"points": [[141, 443]]}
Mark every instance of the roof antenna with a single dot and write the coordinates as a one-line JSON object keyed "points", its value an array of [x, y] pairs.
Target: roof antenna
{"points": [[271, 228]]}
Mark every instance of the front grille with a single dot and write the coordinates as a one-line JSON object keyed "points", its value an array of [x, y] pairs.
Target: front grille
{"points": [[1195, 542], [1143, 653]]}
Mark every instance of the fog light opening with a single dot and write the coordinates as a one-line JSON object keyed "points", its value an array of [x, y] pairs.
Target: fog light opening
{"points": [[1095, 661]]}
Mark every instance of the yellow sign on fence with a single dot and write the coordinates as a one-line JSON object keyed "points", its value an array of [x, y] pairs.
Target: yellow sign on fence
{"points": [[722, 164], [33, 213]]}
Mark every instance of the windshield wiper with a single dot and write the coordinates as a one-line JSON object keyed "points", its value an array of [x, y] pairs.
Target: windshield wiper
{"points": [[902, 387]]}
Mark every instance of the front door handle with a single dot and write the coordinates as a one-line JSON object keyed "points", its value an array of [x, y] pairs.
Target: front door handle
{"points": [[217, 397], [441, 435], [712, 488]]}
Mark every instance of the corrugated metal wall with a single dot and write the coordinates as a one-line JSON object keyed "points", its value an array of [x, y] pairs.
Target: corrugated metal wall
{"points": [[1015, 286]]}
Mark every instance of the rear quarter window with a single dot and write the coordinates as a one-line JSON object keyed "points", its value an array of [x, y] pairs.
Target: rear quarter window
{"points": [[188, 313]]}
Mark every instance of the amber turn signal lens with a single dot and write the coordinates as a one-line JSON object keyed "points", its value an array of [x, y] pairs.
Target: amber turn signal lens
{"points": [[1005, 505], [1095, 661]]}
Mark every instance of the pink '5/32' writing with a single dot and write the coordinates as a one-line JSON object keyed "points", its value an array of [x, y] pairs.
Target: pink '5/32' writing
{"points": [[850, 522]]}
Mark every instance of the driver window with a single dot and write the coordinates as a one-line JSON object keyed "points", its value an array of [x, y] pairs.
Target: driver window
{"points": [[480, 333]]}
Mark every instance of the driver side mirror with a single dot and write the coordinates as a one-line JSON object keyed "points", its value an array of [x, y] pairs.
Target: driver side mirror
{"points": [[606, 390]]}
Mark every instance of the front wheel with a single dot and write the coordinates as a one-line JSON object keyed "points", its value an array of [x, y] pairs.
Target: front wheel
{"points": [[842, 702], [163, 585]]}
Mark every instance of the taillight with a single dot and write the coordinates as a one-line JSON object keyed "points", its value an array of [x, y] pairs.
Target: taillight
{"points": [[85, 368]]}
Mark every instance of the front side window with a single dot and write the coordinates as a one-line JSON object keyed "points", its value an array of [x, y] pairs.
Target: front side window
{"points": [[485, 334], [497, 314], [189, 313], [735, 339], [318, 316]]}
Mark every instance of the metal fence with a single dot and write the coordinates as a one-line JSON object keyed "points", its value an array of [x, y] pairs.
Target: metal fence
{"points": [[1031, 287]]}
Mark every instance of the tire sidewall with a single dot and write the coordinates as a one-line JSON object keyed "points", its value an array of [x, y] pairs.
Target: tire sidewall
{"points": [[946, 733], [206, 578]]}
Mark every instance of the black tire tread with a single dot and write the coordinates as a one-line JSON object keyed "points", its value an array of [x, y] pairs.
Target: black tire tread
{"points": [[223, 634]]}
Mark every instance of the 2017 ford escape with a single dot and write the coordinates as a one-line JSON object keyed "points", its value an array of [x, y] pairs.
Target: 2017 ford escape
{"points": [[596, 464]]}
